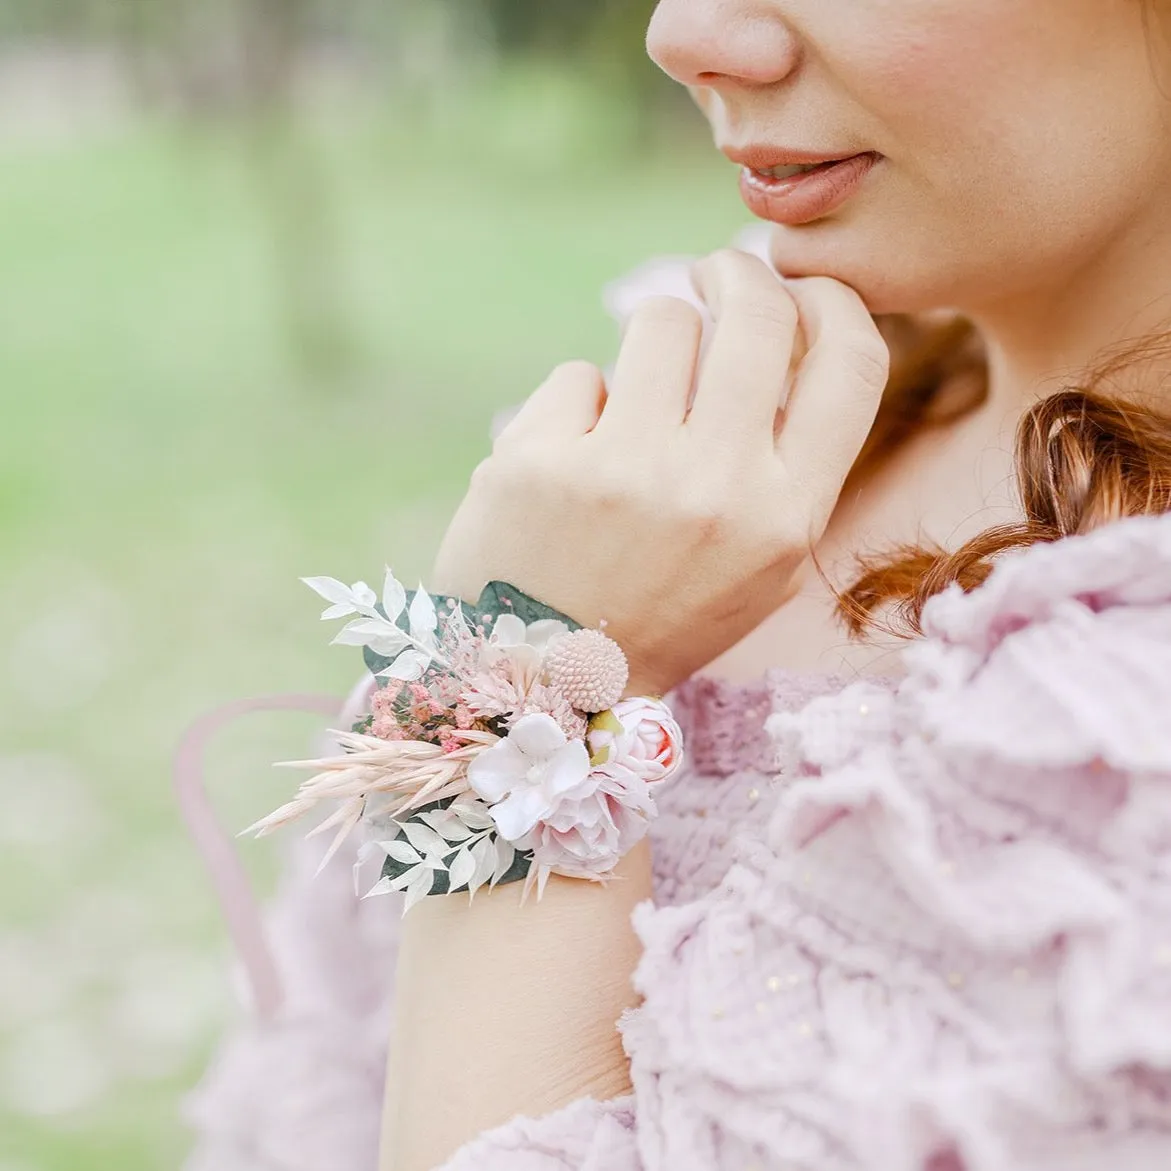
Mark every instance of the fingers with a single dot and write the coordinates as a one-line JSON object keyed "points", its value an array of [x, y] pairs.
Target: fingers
{"points": [[656, 366], [837, 387], [567, 404], [744, 372]]}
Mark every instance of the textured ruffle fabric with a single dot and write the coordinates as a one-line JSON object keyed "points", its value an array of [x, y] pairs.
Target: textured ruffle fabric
{"points": [[948, 944]]}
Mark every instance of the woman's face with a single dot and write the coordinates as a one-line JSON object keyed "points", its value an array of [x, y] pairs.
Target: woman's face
{"points": [[1019, 138]]}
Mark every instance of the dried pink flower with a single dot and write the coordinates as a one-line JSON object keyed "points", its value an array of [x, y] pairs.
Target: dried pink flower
{"points": [[543, 699], [386, 727], [489, 696]]}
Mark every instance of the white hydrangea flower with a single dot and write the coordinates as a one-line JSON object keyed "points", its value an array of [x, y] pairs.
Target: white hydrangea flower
{"points": [[526, 776]]}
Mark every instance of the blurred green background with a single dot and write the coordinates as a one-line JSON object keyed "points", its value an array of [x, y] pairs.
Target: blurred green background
{"points": [[267, 269]]}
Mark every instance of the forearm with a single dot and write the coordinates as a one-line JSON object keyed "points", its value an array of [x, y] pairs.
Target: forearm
{"points": [[504, 1010]]}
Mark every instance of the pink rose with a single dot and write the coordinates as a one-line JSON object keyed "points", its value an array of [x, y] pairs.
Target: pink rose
{"points": [[593, 827], [638, 734]]}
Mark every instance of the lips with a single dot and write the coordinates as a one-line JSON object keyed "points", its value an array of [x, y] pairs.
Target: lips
{"points": [[766, 158], [794, 199]]}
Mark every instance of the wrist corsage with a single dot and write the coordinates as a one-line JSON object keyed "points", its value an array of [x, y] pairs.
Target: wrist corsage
{"points": [[498, 747]]}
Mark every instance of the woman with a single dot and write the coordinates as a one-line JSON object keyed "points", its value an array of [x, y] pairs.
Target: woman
{"points": [[910, 911], [1022, 179]]}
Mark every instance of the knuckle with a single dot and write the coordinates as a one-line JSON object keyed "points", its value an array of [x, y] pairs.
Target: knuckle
{"points": [[765, 310], [607, 489], [513, 469], [577, 370], [485, 474], [668, 313], [734, 262], [867, 356], [783, 530], [705, 507], [724, 269]]}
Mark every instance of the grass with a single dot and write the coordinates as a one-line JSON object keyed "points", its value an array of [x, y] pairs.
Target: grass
{"points": [[174, 454]]}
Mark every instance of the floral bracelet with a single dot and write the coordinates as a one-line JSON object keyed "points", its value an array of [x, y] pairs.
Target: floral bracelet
{"points": [[498, 747]]}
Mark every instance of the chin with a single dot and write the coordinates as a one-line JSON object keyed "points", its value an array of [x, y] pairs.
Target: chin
{"points": [[866, 268]]}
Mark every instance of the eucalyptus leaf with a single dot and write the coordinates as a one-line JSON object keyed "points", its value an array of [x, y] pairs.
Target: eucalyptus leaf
{"points": [[499, 597]]}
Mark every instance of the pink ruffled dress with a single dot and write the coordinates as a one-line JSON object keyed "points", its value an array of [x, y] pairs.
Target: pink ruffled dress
{"points": [[922, 926], [915, 926]]}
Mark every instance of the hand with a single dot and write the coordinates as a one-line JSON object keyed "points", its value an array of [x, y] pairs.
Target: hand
{"points": [[681, 529]]}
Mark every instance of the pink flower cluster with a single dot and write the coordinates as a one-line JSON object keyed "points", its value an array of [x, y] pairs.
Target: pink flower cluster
{"points": [[491, 680], [419, 711], [578, 816]]}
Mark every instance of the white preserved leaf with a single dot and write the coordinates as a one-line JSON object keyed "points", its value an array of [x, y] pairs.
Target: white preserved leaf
{"points": [[463, 867], [505, 856], [381, 636], [364, 597], [402, 881], [457, 622], [331, 590], [508, 630], [402, 852], [386, 645], [358, 598], [394, 597], [423, 617], [540, 634], [364, 852], [447, 825], [474, 816], [418, 890], [408, 667], [382, 887], [484, 854], [426, 840]]}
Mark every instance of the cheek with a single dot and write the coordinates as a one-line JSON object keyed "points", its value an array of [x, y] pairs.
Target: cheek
{"points": [[930, 78]]}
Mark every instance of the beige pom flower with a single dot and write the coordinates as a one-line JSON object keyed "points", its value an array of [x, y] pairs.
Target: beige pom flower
{"points": [[589, 669]]}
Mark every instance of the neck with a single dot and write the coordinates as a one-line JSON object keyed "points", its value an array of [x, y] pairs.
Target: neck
{"points": [[1047, 336]]}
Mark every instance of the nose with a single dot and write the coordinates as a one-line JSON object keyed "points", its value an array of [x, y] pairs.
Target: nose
{"points": [[721, 43]]}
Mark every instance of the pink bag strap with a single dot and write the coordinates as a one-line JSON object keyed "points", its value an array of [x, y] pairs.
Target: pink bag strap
{"points": [[217, 848]]}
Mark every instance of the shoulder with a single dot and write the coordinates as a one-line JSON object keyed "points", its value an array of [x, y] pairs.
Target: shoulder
{"points": [[1063, 657]]}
